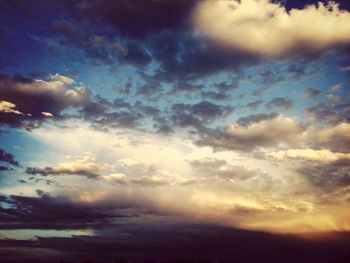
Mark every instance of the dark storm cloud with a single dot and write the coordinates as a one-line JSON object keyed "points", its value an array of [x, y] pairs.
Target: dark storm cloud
{"points": [[8, 158], [137, 33], [97, 48], [69, 30], [137, 19], [119, 32], [47, 212], [185, 56], [66, 213], [194, 243], [280, 103], [15, 121], [100, 48]]}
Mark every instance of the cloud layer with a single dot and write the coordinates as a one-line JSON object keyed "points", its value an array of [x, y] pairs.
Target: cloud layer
{"points": [[164, 126]]}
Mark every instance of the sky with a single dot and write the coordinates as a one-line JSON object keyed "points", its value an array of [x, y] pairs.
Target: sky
{"points": [[159, 129]]}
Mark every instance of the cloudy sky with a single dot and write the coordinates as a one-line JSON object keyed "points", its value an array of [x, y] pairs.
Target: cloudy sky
{"points": [[133, 129]]}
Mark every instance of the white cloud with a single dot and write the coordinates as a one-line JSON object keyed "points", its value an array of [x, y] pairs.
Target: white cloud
{"points": [[115, 177], [267, 130], [57, 88], [323, 156], [8, 107], [267, 29], [341, 133], [61, 78], [277, 131], [86, 166], [46, 114]]}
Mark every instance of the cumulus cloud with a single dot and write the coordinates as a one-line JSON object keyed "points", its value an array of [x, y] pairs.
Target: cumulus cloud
{"points": [[35, 96], [8, 107], [32, 100], [63, 79], [323, 156], [265, 28], [341, 131], [86, 166], [336, 138], [271, 132], [276, 130]]}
